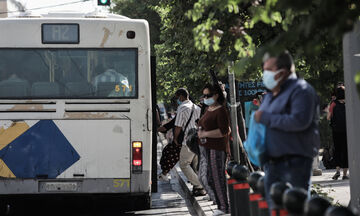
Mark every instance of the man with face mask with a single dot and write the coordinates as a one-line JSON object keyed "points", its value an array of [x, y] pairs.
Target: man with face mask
{"points": [[187, 114], [290, 112]]}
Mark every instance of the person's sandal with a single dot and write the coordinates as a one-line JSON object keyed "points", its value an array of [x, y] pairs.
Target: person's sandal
{"points": [[336, 176]]}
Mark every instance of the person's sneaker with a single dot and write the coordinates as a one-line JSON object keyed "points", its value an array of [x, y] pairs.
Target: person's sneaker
{"points": [[199, 192], [163, 177], [218, 212], [336, 176], [345, 177]]}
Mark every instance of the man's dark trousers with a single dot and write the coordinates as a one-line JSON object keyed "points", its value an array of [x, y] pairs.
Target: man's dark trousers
{"points": [[293, 169]]}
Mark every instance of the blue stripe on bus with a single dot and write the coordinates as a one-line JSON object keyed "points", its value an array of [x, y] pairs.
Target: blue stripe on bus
{"points": [[42, 151]]}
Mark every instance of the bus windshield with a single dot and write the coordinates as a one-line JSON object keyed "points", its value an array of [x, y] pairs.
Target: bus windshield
{"points": [[68, 73]]}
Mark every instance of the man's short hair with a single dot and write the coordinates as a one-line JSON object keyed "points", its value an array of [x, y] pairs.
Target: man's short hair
{"points": [[183, 92], [283, 60]]}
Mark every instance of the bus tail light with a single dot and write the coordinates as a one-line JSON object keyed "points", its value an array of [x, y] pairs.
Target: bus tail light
{"points": [[137, 157]]}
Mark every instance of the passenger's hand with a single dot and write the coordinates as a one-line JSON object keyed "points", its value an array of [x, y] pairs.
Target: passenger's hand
{"points": [[201, 134], [161, 129], [257, 115]]}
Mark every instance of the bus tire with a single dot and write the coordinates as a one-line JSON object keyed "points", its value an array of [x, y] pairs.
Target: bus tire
{"points": [[4, 207], [144, 202]]}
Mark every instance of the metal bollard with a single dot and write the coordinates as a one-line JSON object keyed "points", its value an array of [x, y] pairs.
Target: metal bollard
{"points": [[263, 208], [230, 183], [339, 211], [241, 190], [255, 195], [316, 206], [279, 212], [293, 200], [276, 192]]}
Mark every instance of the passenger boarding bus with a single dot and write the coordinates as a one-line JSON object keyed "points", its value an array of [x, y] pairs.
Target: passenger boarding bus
{"points": [[75, 106]]}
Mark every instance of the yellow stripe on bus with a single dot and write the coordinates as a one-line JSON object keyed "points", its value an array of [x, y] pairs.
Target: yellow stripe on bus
{"points": [[10, 134], [5, 172]]}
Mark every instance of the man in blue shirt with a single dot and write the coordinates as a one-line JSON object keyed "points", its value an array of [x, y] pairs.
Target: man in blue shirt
{"points": [[290, 112]]}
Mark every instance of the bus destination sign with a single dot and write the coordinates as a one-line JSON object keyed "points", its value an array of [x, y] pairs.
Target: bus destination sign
{"points": [[60, 33]]}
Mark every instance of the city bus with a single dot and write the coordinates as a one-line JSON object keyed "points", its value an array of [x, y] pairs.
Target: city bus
{"points": [[75, 106]]}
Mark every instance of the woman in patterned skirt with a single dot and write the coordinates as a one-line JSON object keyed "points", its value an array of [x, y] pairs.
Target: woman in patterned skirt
{"points": [[215, 128]]}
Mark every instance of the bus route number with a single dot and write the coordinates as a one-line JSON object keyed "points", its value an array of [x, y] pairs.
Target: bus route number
{"points": [[121, 183], [123, 87], [60, 33]]}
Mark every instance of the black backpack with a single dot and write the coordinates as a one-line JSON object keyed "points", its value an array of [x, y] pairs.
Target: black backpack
{"points": [[338, 119]]}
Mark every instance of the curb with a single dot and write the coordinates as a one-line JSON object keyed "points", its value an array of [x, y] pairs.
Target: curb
{"points": [[195, 204], [200, 206]]}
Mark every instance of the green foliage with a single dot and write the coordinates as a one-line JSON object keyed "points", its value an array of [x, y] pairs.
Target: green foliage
{"points": [[357, 81], [179, 64], [190, 37], [310, 29]]}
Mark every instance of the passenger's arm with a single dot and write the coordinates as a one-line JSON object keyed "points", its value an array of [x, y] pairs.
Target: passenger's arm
{"points": [[211, 134], [179, 123]]}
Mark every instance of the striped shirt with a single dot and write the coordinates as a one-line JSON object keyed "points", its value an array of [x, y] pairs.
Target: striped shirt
{"points": [[183, 115]]}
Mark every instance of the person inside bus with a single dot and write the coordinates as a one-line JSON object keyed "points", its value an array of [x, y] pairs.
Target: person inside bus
{"points": [[8, 74], [114, 83], [15, 84]]}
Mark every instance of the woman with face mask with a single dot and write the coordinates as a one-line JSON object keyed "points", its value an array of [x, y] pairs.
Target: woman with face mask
{"points": [[214, 136]]}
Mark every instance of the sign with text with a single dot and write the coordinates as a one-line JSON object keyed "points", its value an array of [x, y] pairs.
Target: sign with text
{"points": [[250, 88], [60, 33]]}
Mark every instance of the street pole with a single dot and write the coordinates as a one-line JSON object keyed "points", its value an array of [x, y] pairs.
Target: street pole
{"points": [[3, 8], [351, 52], [233, 111]]}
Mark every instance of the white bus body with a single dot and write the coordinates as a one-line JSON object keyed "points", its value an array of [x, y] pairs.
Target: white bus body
{"points": [[62, 130]]}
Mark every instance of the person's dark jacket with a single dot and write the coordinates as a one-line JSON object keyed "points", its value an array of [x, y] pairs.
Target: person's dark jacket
{"points": [[291, 120]]}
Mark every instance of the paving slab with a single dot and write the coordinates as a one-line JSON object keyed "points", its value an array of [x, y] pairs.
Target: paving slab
{"points": [[339, 189]]}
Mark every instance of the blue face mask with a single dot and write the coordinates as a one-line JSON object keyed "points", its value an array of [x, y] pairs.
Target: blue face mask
{"points": [[209, 101], [179, 102], [269, 79]]}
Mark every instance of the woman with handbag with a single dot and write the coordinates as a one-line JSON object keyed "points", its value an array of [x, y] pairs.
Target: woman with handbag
{"points": [[214, 136]]}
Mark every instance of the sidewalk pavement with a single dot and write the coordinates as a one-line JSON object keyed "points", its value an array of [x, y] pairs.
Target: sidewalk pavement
{"points": [[324, 185], [339, 190], [199, 205]]}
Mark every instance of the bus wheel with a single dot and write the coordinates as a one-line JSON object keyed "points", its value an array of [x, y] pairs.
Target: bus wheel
{"points": [[144, 202], [4, 208]]}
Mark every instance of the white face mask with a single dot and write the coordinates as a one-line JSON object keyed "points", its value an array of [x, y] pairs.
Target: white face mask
{"points": [[209, 101], [269, 79]]}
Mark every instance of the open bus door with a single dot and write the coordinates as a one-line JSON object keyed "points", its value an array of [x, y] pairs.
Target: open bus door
{"points": [[154, 185]]}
